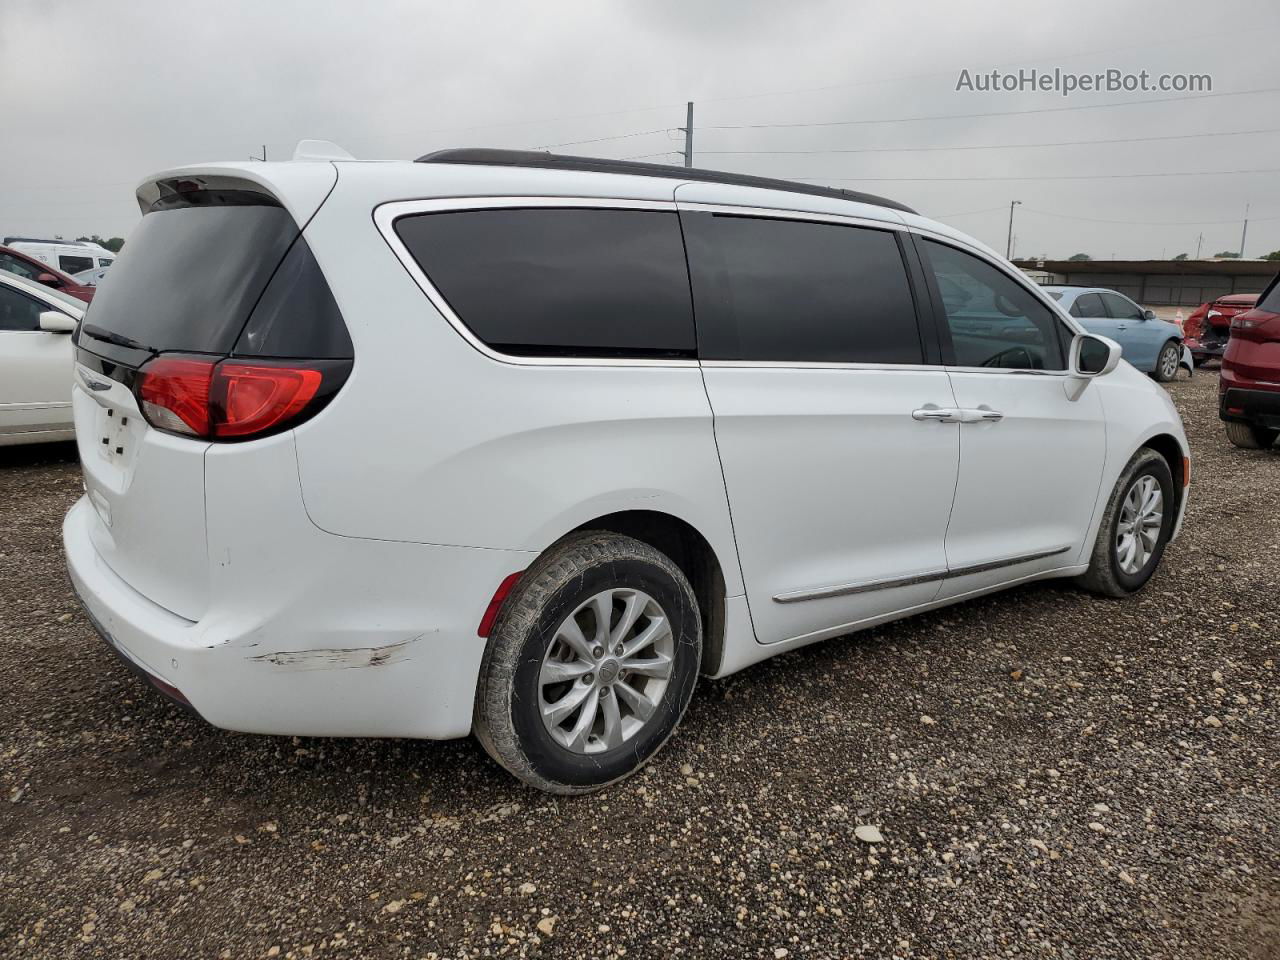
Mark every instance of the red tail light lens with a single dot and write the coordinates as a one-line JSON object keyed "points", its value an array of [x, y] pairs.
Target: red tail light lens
{"points": [[251, 399], [234, 399], [174, 394]]}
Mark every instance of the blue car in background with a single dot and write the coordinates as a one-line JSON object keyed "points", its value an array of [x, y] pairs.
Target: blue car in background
{"points": [[1149, 343]]}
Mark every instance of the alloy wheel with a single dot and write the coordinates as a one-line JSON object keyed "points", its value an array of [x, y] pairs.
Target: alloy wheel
{"points": [[606, 670], [1140, 523]]}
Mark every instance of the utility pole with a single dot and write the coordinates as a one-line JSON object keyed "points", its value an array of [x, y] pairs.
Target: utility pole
{"points": [[1008, 245], [1199, 244], [688, 136], [262, 158], [1245, 232]]}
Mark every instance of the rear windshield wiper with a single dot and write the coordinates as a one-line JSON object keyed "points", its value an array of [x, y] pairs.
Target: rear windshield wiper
{"points": [[119, 339]]}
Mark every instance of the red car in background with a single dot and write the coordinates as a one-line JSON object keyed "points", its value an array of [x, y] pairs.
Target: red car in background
{"points": [[1207, 328], [29, 268], [1249, 385]]}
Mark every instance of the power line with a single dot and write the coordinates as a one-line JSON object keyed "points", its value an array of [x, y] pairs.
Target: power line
{"points": [[1143, 223], [1097, 176], [1005, 146], [620, 136], [997, 113]]}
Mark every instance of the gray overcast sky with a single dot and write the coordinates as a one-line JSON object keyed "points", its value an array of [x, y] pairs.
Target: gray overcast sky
{"points": [[98, 95]]}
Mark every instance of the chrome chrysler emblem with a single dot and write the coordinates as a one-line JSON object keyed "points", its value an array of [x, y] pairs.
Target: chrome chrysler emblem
{"points": [[93, 384]]}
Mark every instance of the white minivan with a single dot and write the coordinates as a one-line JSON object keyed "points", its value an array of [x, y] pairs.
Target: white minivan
{"points": [[68, 257], [520, 445]]}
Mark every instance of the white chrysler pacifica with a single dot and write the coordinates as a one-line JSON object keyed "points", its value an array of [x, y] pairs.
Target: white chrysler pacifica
{"points": [[519, 445]]}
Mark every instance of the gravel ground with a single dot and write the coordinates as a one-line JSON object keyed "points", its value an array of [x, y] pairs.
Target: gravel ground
{"points": [[1053, 775]]}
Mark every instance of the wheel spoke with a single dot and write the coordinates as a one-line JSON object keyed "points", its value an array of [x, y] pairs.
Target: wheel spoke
{"points": [[650, 667], [602, 603], [655, 630], [555, 713], [571, 633], [612, 722], [1151, 500], [558, 671], [633, 606], [640, 705], [577, 736]]}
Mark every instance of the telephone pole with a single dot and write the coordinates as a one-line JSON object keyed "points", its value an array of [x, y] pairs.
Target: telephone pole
{"points": [[1245, 232], [1008, 245], [688, 136]]}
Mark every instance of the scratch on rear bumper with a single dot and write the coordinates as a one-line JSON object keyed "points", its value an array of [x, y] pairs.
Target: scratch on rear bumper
{"points": [[339, 658]]}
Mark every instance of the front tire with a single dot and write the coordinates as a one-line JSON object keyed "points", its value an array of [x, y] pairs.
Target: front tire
{"points": [[590, 665], [1168, 361], [1136, 526], [1250, 436]]}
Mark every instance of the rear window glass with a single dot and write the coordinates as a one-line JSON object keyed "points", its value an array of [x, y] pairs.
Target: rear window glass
{"points": [[1270, 301], [560, 282], [74, 264], [796, 291], [189, 277]]}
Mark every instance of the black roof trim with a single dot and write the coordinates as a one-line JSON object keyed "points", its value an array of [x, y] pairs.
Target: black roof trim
{"points": [[486, 156]]}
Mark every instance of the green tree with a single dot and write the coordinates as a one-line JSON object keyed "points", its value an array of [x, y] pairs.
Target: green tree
{"points": [[1079, 257], [1181, 256], [1273, 255], [1227, 255], [114, 244]]}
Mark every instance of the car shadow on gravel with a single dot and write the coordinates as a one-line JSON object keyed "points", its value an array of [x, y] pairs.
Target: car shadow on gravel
{"points": [[37, 455]]}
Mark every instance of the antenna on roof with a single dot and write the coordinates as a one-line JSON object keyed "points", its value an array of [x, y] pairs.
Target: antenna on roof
{"points": [[319, 150]]}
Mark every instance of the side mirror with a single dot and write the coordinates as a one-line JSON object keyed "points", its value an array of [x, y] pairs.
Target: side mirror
{"points": [[48, 279], [51, 321], [1148, 314], [1093, 356]]}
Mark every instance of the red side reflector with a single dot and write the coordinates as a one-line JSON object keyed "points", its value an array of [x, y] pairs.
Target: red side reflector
{"points": [[249, 398], [1186, 471], [168, 689], [495, 605]]}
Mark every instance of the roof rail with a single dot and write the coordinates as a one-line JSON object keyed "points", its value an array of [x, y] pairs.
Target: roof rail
{"points": [[486, 156]]}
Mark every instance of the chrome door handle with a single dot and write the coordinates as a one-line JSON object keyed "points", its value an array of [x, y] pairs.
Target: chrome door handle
{"points": [[940, 414], [980, 415]]}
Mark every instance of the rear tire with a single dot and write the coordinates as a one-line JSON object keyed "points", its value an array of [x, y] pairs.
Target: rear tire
{"points": [[1168, 361], [1251, 437], [1113, 570], [567, 705]]}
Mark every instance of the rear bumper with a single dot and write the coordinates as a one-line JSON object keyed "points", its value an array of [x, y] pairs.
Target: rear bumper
{"points": [[366, 638], [1259, 407], [1204, 352]]}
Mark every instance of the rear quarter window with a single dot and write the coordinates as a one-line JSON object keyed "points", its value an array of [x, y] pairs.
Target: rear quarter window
{"points": [[560, 282]]}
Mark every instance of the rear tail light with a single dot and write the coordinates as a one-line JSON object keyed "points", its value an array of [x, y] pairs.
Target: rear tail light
{"points": [[234, 399], [1251, 321]]}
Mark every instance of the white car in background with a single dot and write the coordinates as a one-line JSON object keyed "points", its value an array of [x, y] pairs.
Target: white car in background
{"points": [[35, 361], [455, 458], [91, 278], [70, 258]]}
